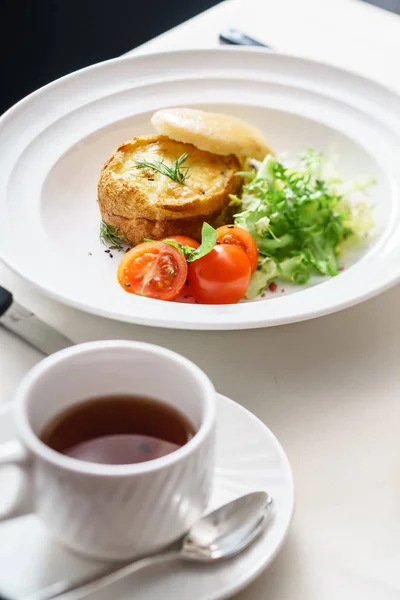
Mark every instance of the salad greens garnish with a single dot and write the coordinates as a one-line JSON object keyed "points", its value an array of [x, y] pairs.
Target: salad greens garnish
{"points": [[265, 272], [177, 172], [208, 239], [299, 217], [111, 237]]}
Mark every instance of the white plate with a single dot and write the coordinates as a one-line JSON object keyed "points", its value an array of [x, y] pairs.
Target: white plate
{"points": [[249, 457], [55, 141]]}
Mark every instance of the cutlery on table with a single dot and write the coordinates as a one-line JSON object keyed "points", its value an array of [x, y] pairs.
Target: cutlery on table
{"points": [[221, 534], [27, 326], [238, 38]]}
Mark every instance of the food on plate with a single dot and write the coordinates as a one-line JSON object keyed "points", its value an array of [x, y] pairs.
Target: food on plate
{"points": [[214, 132], [112, 238], [299, 216], [186, 294], [153, 269], [159, 269], [185, 297], [237, 236], [182, 240], [155, 187], [221, 277], [275, 220]]}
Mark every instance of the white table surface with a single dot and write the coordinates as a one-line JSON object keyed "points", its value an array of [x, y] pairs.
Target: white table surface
{"points": [[328, 388]]}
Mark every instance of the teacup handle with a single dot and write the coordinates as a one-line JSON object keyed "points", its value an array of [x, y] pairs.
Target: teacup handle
{"points": [[13, 453]]}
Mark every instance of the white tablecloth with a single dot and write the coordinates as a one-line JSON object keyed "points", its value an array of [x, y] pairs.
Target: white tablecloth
{"points": [[329, 388]]}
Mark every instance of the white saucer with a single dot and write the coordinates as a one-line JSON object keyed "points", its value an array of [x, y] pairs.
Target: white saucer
{"points": [[249, 457]]}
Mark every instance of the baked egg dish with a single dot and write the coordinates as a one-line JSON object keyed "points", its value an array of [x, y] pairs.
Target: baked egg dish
{"points": [[139, 198]]}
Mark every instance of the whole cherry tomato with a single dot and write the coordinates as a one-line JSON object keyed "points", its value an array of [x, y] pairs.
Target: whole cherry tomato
{"points": [[237, 236], [221, 277], [183, 240]]}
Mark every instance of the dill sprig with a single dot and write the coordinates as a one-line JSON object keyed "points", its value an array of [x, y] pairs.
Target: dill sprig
{"points": [[177, 172], [111, 238]]}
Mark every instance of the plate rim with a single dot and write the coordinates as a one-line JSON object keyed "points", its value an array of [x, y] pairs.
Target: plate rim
{"points": [[218, 49], [6, 413], [187, 320]]}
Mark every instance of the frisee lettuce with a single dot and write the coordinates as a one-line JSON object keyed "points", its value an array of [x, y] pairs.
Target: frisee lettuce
{"points": [[299, 217]]}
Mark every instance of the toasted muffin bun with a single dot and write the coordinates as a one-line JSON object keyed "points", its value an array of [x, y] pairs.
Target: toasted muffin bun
{"points": [[145, 203], [217, 133]]}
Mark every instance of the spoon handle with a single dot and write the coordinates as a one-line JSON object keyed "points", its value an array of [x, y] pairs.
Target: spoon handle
{"points": [[93, 582]]}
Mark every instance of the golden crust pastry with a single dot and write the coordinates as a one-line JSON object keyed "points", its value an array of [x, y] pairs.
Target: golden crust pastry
{"points": [[145, 203], [213, 132]]}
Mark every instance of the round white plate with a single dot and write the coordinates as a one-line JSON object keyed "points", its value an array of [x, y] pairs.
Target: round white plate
{"points": [[55, 141], [249, 458]]}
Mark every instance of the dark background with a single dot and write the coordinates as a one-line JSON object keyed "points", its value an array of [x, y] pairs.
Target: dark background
{"points": [[41, 40], [392, 5]]}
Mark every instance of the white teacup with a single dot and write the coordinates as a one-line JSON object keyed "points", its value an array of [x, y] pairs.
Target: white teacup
{"points": [[115, 512]]}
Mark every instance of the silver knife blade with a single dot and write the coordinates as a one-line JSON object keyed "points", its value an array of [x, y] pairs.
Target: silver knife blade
{"points": [[29, 327]]}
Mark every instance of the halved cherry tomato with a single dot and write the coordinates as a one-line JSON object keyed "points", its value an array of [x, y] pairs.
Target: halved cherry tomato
{"points": [[183, 240], [237, 236], [185, 296], [154, 270], [221, 277]]}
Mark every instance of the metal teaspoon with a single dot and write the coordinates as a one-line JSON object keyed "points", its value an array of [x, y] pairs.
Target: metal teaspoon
{"points": [[219, 535]]}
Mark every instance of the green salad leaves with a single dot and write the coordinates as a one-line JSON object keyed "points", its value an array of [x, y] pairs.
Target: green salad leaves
{"points": [[299, 217], [208, 239]]}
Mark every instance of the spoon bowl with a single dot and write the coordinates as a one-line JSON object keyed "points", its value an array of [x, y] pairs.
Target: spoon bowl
{"points": [[228, 530]]}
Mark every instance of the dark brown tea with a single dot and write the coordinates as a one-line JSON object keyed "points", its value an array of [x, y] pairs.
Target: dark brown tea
{"points": [[118, 430]]}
